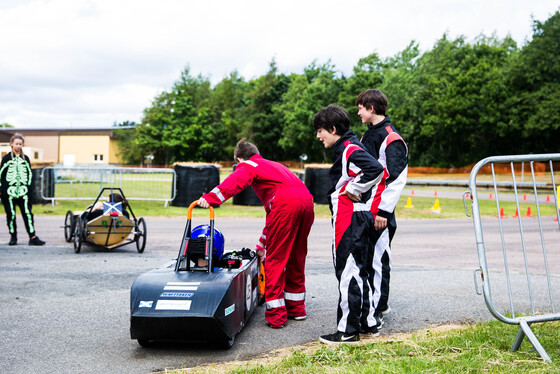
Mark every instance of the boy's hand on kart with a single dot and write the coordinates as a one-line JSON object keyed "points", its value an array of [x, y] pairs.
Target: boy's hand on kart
{"points": [[203, 203], [260, 251], [351, 196]]}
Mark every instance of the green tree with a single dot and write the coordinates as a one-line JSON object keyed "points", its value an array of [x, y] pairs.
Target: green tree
{"points": [[223, 118], [262, 121], [400, 84], [534, 82], [307, 93], [367, 74], [461, 96], [125, 133]]}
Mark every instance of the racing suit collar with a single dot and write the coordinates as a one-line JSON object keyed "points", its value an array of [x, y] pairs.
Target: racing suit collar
{"points": [[385, 121]]}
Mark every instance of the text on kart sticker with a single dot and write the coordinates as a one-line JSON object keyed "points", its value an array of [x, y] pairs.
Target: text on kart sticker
{"points": [[177, 294], [173, 305]]}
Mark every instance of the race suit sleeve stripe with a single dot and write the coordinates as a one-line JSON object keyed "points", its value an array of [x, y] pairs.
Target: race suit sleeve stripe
{"points": [[344, 209], [236, 182], [367, 169], [395, 153]]}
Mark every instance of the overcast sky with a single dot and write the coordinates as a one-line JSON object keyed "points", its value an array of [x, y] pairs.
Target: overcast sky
{"points": [[91, 63]]}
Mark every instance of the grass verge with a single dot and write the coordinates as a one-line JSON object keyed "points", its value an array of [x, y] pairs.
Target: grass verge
{"points": [[470, 348], [450, 208]]}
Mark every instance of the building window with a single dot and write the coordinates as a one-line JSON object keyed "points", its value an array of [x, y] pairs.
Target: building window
{"points": [[36, 155], [98, 158]]}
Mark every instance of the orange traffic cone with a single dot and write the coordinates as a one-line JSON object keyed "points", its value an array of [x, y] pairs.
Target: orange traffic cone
{"points": [[502, 215], [412, 192], [524, 197], [528, 214], [556, 218], [547, 198], [435, 193], [467, 195], [490, 197], [515, 215]]}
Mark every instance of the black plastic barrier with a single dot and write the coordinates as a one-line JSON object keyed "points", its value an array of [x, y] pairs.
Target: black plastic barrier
{"points": [[247, 196], [318, 183], [194, 181]]}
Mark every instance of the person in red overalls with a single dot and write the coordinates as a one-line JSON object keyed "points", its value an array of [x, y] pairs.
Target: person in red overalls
{"points": [[289, 217]]}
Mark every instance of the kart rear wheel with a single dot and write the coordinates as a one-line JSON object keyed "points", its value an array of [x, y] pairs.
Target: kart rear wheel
{"points": [[226, 343], [144, 342], [68, 226], [140, 236], [78, 235]]}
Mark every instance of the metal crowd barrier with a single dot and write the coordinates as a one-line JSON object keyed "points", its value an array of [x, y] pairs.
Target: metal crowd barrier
{"points": [[84, 183], [517, 250]]}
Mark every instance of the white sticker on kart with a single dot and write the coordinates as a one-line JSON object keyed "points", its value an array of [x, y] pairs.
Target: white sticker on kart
{"points": [[229, 310], [145, 304], [181, 286], [173, 304], [248, 293]]}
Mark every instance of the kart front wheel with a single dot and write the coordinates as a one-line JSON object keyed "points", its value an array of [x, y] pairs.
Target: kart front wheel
{"points": [[140, 236], [144, 342], [68, 226], [226, 343], [78, 235]]}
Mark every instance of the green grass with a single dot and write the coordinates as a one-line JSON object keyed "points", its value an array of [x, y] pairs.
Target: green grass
{"points": [[450, 208], [473, 348], [454, 208]]}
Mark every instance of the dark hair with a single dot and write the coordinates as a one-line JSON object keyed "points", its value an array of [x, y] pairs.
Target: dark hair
{"points": [[373, 99], [117, 198], [245, 150], [332, 117]]}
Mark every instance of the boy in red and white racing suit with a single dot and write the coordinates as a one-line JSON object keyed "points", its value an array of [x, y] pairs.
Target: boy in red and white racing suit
{"points": [[355, 175], [289, 217], [384, 143]]}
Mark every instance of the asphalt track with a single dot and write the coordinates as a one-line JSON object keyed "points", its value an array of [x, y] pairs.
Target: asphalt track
{"points": [[63, 312]]}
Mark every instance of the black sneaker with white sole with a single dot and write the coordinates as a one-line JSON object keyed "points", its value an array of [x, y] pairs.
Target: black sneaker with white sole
{"points": [[386, 310], [298, 318], [370, 332], [339, 338], [379, 319]]}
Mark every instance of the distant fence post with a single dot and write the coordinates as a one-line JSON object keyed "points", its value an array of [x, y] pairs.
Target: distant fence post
{"points": [[42, 182]]}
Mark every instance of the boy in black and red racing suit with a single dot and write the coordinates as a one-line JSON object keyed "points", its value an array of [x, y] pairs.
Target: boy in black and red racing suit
{"points": [[355, 175], [384, 143], [289, 217]]}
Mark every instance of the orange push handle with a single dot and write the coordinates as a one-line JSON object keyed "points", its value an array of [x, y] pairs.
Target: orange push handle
{"points": [[193, 204]]}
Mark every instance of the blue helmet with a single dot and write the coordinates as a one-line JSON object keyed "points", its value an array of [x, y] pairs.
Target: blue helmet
{"points": [[203, 231]]}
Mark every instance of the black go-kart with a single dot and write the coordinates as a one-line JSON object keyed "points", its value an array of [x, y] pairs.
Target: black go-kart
{"points": [[186, 301]]}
